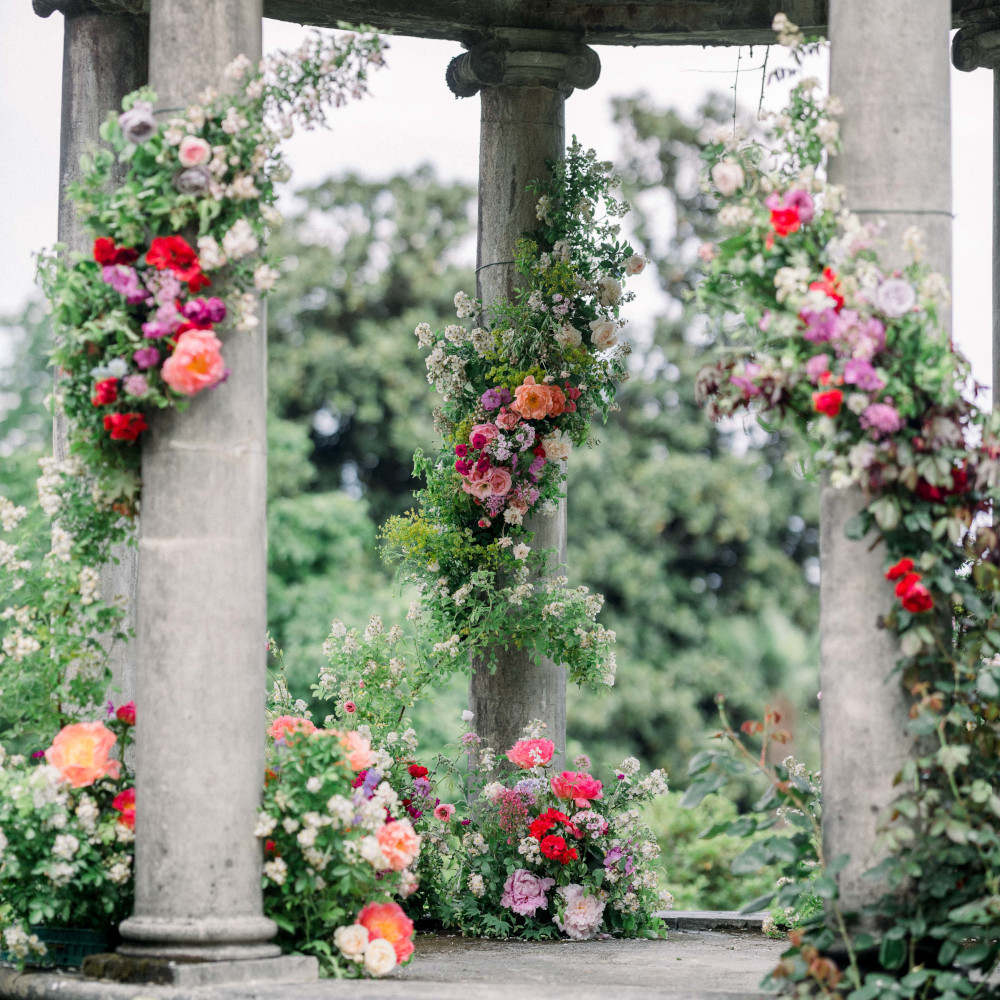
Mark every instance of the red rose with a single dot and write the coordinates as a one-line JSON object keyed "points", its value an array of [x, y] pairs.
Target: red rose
{"points": [[124, 802], [785, 220], [270, 847], [106, 253], [917, 599], [417, 771], [106, 391], [125, 426], [126, 713], [900, 569], [828, 402]]}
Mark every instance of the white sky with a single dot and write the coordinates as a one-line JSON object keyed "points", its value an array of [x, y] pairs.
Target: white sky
{"points": [[412, 118]]}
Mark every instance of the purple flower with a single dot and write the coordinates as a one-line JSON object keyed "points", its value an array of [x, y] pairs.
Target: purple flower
{"points": [[819, 325], [372, 778], [124, 280], [536, 466], [859, 372], [138, 124], [863, 338], [817, 365], [803, 201], [192, 181], [895, 297], [490, 399], [146, 357], [165, 286], [745, 381], [422, 787], [881, 417], [205, 311]]}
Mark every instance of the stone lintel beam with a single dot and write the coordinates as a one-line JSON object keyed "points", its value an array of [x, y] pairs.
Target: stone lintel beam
{"points": [[524, 58], [74, 8]]}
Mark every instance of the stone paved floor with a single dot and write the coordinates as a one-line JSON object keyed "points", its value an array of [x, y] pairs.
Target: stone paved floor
{"points": [[690, 965]]}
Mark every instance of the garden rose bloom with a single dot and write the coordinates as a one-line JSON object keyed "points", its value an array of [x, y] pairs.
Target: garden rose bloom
{"points": [[828, 402], [388, 921], [399, 842], [359, 749], [610, 291], [487, 431], [531, 401], [80, 753], [444, 811], [531, 753], [895, 297], [727, 176], [126, 713], [899, 569], [582, 915], [193, 151], [105, 392], [196, 363], [500, 481], [555, 848], [125, 426], [380, 957], [603, 334], [524, 892], [193, 181], [124, 802], [578, 786], [915, 597], [352, 941], [287, 724], [506, 419], [636, 264], [138, 124]]}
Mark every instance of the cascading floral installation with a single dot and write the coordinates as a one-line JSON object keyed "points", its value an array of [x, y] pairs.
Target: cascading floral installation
{"points": [[520, 387], [829, 341], [178, 252]]}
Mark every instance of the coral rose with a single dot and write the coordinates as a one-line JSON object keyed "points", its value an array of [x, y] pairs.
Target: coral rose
{"points": [[196, 363], [578, 786], [284, 725], [531, 401], [124, 802], [399, 842], [388, 921], [80, 753], [359, 749], [531, 753]]}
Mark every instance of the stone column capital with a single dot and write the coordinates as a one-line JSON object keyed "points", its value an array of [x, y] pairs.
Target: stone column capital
{"points": [[977, 46], [73, 8], [524, 58]]}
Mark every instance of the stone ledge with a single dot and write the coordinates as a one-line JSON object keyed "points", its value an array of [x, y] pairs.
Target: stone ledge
{"points": [[730, 921]]}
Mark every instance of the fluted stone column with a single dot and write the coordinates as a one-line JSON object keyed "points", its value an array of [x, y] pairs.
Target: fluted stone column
{"points": [[105, 56], [523, 78], [202, 605], [889, 65]]}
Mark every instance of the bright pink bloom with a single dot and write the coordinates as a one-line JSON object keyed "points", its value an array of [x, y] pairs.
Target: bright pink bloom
{"points": [[578, 786], [124, 802], [524, 892], [531, 753], [444, 811], [500, 481]]}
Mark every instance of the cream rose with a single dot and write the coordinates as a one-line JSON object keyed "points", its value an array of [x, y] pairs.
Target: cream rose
{"points": [[603, 334], [727, 176], [352, 941], [636, 264], [610, 291], [380, 957], [568, 336]]}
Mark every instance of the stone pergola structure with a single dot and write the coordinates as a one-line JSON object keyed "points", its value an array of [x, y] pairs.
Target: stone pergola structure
{"points": [[197, 864]]}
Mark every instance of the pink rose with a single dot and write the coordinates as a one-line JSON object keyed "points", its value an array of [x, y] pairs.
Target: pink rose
{"points": [[507, 419], [286, 724], [196, 363], [582, 915], [193, 151], [479, 488], [524, 893], [399, 842], [500, 481], [358, 750], [578, 786], [487, 431], [531, 753]]}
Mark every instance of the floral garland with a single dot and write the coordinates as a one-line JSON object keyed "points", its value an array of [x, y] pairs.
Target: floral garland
{"points": [[853, 356], [520, 387], [137, 328]]}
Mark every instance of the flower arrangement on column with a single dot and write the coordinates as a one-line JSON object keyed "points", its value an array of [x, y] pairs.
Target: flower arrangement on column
{"points": [[179, 255], [851, 356], [520, 384]]}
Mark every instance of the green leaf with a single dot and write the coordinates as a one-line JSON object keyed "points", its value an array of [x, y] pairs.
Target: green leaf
{"points": [[892, 952], [753, 858]]}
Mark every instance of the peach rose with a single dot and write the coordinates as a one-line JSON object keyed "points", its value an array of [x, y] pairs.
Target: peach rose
{"points": [[193, 151], [287, 724], [388, 921], [196, 363], [557, 400], [359, 750], [507, 420], [500, 481], [603, 334], [80, 753], [531, 401], [399, 842]]}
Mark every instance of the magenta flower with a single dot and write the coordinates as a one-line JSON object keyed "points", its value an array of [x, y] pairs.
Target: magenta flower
{"points": [[859, 372], [125, 280], [745, 381], [146, 357], [803, 201], [819, 325], [881, 417], [816, 366]]}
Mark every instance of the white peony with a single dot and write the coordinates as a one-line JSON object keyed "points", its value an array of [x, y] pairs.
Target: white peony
{"points": [[727, 176]]}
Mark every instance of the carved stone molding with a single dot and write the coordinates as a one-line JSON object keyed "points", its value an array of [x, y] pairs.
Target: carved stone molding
{"points": [[977, 46], [524, 58], [73, 8]]}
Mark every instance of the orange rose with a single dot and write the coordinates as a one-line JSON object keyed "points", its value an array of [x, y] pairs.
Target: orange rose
{"points": [[80, 753], [557, 400], [531, 401], [388, 921], [399, 842], [284, 725]]}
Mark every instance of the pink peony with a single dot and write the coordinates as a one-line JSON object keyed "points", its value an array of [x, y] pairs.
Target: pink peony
{"points": [[399, 842], [524, 892], [196, 363], [582, 915], [578, 786], [531, 753], [881, 417]]}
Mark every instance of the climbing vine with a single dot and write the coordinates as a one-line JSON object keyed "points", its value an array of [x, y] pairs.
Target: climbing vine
{"points": [[851, 355]]}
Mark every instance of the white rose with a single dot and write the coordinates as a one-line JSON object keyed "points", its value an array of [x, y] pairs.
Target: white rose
{"points": [[352, 941], [380, 957], [611, 291], [568, 336], [603, 334], [636, 264], [727, 176], [557, 445]]}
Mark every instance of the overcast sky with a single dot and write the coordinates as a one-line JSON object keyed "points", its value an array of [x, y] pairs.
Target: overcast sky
{"points": [[412, 118]]}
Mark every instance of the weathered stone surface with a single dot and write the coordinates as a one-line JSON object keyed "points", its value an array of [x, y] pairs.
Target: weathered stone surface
{"points": [[164, 972], [889, 65]]}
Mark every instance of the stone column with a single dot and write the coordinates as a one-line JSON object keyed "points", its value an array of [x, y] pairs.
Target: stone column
{"points": [[105, 56], [524, 78], [889, 65], [978, 47], [202, 607]]}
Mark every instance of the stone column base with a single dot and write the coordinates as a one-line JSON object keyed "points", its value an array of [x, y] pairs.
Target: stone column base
{"points": [[209, 939], [121, 968]]}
